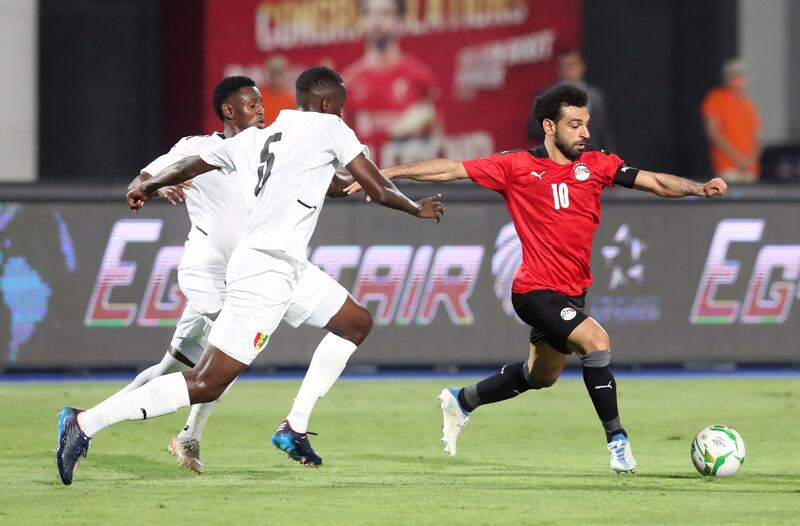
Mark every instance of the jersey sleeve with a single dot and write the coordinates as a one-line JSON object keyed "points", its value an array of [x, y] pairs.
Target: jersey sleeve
{"points": [[614, 170], [491, 172], [176, 153], [222, 155], [344, 145]]}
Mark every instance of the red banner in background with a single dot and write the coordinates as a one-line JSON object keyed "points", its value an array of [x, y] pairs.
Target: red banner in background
{"points": [[461, 86]]}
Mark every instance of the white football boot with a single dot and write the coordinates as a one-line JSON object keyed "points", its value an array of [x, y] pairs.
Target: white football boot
{"points": [[188, 453], [622, 460], [454, 419]]}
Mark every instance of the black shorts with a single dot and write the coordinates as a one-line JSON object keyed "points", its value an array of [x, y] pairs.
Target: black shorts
{"points": [[551, 315]]}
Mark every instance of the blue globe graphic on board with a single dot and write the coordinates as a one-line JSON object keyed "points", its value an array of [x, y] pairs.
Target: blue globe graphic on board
{"points": [[25, 292]]}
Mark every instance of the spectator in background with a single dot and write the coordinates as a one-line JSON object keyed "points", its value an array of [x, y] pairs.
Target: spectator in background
{"points": [[390, 95], [572, 68], [732, 126], [276, 92]]}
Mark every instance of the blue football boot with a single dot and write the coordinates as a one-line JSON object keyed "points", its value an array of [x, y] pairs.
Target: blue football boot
{"points": [[296, 445], [72, 444]]}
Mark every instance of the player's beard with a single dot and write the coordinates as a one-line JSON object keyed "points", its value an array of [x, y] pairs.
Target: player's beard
{"points": [[570, 152]]}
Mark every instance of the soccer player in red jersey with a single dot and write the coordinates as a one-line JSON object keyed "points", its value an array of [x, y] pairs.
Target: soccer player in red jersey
{"points": [[553, 195], [391, 95]]}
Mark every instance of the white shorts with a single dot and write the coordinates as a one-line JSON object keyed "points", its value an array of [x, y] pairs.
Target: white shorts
{"points": [[316, 299], [202, 281], [191, 334], [260, 288]]}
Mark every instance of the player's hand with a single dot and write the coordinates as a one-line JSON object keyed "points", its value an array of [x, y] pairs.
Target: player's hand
{"points": [[137, 197], [352, 189], [174, 194], [715, 187], [431, 208]]}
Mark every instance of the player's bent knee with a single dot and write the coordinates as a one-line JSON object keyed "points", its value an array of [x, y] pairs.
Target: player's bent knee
{"points": [[208, 392], [362, 325], [542, 383], [599, 343], [201, 390], [537, 381]]}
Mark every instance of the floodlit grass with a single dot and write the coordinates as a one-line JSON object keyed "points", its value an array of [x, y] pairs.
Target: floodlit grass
{"points": [[537, 459]]}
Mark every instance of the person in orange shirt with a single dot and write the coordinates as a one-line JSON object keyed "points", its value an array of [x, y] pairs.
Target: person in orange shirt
{"points": [[732, 126], [276, 93]]}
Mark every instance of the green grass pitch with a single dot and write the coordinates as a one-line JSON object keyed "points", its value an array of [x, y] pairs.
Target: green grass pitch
{"points": [[537, 459]]}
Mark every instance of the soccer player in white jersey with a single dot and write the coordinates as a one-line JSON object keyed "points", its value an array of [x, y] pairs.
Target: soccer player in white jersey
{"points": [[216, 214], [288, 167], [218, 217]]}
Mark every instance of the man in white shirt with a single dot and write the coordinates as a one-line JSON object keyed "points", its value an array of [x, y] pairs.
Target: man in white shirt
{"points": [[216, 215], [218, 212], [288, 167]]}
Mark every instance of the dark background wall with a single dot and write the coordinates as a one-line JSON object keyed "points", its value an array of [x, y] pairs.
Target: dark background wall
{"points": [[655, 60], [100, 88]]}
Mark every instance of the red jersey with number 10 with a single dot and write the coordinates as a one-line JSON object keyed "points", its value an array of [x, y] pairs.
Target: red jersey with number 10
{"points": [[555, 209]]}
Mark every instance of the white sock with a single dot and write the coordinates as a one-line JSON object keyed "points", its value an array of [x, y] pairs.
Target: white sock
{"points": [[199, 416], [168, 364], [160, 396], [328, 362]]}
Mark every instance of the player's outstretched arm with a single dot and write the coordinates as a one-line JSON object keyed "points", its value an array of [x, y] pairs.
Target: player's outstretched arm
{"points": [[383, 192], [173, 194], [665, 185], [434, 171], [174, 174]]}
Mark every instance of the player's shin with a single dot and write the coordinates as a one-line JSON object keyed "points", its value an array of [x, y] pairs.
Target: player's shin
{"points": [[511, 380], [602, 390], [167, 365], [198, 417], [161, 396], [328, 362]]}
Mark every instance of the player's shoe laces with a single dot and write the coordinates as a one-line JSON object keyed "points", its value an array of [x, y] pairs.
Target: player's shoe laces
{"points": [[72, 444], [454, 418], [622, 460], [296, 445], [187, 452]]}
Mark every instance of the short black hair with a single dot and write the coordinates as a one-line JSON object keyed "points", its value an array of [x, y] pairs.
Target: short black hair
{"points": [[225, 88], [399, 4], [548, 105], [318, 78]]}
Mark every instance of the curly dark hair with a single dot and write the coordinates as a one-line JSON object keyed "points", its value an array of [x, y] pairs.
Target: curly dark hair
{"points": [[548, 105], [225, 88], [318, 78]]}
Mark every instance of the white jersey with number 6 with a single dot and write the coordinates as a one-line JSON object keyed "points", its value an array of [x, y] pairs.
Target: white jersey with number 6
{"points": [[287, 167]]}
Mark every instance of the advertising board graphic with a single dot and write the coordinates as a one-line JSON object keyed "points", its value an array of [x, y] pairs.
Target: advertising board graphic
{"points": [[89, 285]]}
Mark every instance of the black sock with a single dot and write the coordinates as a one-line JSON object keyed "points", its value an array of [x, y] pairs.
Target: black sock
{"points": [[603, 392], [510, 381]]}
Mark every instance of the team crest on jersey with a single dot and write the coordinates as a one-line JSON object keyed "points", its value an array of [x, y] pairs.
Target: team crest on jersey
{"points": [[581, 172], [260, 341], [568, 313]]}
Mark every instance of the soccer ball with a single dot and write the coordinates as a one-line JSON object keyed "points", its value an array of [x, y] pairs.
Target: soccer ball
{"points": [[718, 451]]}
